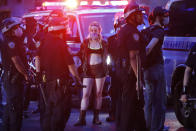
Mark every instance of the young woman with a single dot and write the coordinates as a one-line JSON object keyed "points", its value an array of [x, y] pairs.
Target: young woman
{"points": [[93, 54]]}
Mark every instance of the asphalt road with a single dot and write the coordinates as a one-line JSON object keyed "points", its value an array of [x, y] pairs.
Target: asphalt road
{"points": [[32, 123]]}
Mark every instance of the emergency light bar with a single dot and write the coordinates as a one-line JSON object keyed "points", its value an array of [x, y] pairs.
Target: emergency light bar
{"points": [[68, 3], [75, 4], [84, 3], [96, 3], [54, 4], [118, 3]]}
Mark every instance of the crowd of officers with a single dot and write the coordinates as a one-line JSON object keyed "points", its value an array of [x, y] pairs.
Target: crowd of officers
{"points": [[137, 62]]}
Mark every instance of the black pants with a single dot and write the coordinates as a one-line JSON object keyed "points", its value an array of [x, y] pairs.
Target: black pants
{"points": [[130, 113], [12, 119], [31, 94], [115, 85], [55, 113], [27, 96]]}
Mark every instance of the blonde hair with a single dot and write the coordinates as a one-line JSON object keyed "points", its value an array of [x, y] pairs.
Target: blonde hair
{"points": [[96, 24]]}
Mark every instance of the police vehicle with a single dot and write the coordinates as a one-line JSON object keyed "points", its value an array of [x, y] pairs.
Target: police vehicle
{"points": [[80, 19], [180, 37]]}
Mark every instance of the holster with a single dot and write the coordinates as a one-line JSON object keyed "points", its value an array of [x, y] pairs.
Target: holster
{"points": [[58, 90]]}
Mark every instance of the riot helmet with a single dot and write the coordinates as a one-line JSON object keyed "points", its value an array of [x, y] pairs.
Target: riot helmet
{"points": [[8, 23]]}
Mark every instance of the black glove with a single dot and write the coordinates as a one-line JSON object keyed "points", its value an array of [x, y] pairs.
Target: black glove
{"points": [[78, 83]]}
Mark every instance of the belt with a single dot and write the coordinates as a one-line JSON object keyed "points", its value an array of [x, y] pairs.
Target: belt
{"points": [[122, 63], [58, 81]]}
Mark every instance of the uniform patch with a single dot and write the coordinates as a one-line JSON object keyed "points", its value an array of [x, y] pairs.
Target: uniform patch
{"points": [[136, 37], [11, 45]]}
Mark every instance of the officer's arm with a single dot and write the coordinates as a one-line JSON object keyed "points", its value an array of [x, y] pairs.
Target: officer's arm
{"points": [[187, 74], [133, 60], [20, 66], [74, 72], [151, 45], [37, 63]]}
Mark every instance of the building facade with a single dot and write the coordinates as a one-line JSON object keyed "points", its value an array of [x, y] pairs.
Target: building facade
{"points": [[18, 7]]}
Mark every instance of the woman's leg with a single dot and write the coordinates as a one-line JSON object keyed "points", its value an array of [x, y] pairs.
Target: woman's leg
{"points": [[99, 89], [88, 82], [98, 99]]}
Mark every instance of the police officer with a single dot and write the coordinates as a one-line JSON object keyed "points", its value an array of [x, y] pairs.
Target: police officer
{"points": [[113, 51], [54, 62], [189, 82], [16, 71], [29, 33], [130, 43]]}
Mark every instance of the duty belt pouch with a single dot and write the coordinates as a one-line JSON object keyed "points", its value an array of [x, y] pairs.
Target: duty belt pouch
{"points": [[57, 90]]}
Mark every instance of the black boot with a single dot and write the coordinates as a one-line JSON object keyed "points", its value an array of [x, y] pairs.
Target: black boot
{"points": [[96, 120], [82, 120]]}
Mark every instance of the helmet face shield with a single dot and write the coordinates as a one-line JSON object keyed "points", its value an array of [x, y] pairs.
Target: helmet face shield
{"points": [[139, 11], [56, 28], [57, 24], [9, 23], [132, 8]]}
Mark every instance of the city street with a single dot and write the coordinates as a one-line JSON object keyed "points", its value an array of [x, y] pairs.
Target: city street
{"points": [[97, 54], [32, 123]]}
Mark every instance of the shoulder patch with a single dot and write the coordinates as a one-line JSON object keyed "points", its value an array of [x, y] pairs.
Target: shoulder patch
{"points": [[11, 45], [136, 36]]}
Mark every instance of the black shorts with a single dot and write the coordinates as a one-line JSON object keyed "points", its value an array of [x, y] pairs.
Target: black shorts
{"points": [[95, 71]]}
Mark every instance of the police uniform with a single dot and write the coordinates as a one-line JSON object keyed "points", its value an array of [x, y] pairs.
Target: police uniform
{"points": [[130, 108], [115, 85], [13, 83], [54, 61], [27, 91]]}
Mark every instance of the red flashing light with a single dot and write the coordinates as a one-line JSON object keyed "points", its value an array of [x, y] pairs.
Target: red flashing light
{"points": [[74, 3]]}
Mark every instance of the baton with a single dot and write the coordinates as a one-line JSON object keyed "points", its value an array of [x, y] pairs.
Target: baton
{"points": [[43, 93], [138, 75]]}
